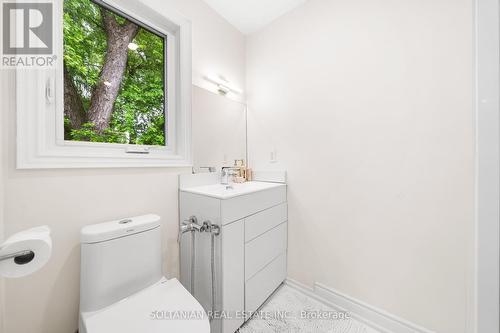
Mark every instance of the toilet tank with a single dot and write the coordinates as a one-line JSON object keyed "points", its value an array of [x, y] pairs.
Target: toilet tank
{"points": [[118, 259]]}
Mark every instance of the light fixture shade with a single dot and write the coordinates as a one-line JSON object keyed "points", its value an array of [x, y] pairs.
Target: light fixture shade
{"points": [[223, 86]]}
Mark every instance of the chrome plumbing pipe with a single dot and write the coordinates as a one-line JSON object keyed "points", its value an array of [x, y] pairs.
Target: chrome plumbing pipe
{"points": [[191, 225]]}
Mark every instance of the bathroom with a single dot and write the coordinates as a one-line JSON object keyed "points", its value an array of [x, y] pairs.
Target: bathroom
{"points": [[379, 120]]}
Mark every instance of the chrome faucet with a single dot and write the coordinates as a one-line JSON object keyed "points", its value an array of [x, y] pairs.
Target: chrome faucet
{"points": [[210, 169], [227, 173]]}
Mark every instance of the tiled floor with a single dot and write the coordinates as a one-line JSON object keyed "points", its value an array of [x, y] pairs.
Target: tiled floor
{"points": [[286, 312]]}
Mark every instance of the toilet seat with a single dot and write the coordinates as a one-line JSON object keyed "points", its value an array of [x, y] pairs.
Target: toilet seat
{"points": [[162, 308]]}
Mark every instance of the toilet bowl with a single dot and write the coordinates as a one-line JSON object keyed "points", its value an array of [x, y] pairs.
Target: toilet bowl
{"points": [[164, 307], [122, 288]]}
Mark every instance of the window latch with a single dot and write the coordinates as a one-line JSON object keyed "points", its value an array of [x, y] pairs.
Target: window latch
{"points": [[137, 150], [49, 90]]}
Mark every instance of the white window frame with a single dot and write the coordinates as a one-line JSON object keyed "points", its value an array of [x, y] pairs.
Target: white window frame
{"points": [[40, 105]]}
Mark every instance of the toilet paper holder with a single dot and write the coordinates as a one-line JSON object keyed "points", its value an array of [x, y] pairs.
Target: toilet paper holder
{"points": [[20, 258]]}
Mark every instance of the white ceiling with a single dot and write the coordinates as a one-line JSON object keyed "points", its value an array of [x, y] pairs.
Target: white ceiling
{"points": [[251, 15]]}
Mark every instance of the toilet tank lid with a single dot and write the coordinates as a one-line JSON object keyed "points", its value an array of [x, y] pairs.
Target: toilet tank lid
{"points": [[101, 232]]}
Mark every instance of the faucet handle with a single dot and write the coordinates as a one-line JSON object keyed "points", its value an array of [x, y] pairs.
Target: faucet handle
{"points": [[208, 226], [190, 224], [192, 219]]}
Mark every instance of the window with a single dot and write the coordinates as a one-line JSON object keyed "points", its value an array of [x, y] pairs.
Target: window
{"points": [[120, 94], [114, 69]]}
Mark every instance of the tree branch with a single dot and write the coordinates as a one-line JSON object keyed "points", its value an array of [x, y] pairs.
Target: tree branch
{"points": [[108, 21], [106, 90], [73, 104]]}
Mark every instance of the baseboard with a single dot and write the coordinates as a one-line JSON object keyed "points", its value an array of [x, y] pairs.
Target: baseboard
{"points": [[378, 319]]}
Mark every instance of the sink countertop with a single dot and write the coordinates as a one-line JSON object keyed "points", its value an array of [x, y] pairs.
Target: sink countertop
{"points": [[221, 191]]}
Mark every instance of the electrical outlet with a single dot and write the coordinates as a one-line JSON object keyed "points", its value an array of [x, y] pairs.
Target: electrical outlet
{"points": [[273, 156]]}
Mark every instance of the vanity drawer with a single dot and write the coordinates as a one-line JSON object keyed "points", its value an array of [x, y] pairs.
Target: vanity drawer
{"points": [[264, 283], [242, 206], [263, 249], [259, 223]]}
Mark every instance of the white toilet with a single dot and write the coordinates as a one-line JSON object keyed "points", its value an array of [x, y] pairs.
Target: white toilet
{"points": [[122, 289]]}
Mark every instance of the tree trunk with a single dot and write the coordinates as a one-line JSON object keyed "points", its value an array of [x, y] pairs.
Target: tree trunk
{"points": [[107, 88], [73, 105]]}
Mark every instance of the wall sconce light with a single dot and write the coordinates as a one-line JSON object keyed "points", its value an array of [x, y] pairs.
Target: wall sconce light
{"points": [[223, 86]]}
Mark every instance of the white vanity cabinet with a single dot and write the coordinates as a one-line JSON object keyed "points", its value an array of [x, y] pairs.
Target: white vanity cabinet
{"points": [[265, 254], [251, 250]]}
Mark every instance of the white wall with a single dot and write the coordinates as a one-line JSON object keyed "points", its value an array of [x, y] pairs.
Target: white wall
{"points": [[218, 47], [488, 164], [368, 105], [47, 302]]}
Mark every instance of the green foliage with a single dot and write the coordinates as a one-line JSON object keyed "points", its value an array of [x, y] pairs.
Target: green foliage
{"points": [[87, 133], [139, 110]]}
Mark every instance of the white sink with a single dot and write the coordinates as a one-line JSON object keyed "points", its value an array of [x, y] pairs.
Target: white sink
{"points": [[221, 191]]}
